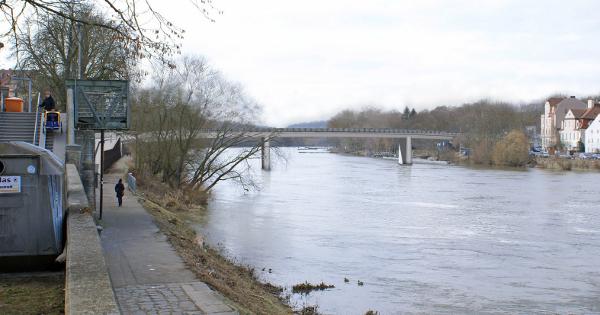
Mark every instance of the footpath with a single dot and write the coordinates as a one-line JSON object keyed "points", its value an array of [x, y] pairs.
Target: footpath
{"points": [[147, 275]]}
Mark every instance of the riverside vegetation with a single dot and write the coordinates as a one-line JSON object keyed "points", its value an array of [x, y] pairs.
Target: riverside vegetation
{"points": [[494, 131], [174, 212]]}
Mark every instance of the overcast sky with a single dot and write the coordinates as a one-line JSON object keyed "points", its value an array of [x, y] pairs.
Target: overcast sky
{"points": [[306, 60]]}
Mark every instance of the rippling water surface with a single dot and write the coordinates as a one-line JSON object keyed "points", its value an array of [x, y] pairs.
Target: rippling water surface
{"points": [[423, 239]]}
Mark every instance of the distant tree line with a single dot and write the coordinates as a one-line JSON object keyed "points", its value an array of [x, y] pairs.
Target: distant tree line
{"points": [[481, 123]]}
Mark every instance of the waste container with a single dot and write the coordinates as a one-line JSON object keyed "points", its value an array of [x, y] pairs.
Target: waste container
{"points": [[32, 198], [13, 104]]}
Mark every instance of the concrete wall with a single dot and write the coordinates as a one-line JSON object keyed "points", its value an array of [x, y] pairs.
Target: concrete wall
{"points": [[88, 289]]}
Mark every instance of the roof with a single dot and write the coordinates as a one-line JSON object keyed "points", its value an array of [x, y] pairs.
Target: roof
{"points": [[578, 113], [591, 113], [587, 113], [555, 100], [571, 103]]}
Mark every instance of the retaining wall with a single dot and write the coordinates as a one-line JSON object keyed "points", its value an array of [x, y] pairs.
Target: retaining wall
{"points": [[88, 289]]}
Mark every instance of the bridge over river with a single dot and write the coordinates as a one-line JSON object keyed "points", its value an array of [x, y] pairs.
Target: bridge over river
{"points": [[405, 137]]}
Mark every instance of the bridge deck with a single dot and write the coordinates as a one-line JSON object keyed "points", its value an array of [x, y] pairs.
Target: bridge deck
{"points": [[339, 133]]}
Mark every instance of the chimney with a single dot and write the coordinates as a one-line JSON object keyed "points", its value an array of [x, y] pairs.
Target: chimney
{"points": [[590, 103]]}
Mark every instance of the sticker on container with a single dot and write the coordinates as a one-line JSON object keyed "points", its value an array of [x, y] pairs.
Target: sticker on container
{"points": [[10, 184], [31, 169]]}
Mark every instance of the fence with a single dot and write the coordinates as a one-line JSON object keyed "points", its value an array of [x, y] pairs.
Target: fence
{"points": [[112, 155], [131, 182]]}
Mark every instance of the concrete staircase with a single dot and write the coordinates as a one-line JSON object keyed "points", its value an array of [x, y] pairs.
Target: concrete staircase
{"points": [[50, 140], [19, 127]]}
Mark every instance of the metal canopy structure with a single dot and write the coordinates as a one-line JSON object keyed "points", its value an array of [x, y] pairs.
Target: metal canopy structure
{"points": [[101, 104]]}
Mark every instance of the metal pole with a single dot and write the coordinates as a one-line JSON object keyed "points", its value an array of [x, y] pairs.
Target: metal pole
{"points": [[79, 45], [29, 93], [101, 170]]}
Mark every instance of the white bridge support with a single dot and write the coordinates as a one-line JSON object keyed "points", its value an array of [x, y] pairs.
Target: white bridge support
{"points": [[266, 154], [405, 151]]}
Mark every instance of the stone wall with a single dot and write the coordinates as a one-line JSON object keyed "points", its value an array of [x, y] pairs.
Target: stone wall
{"points": [[88, 289]]}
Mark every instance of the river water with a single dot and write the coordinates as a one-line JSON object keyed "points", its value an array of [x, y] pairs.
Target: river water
{"points": [[423, 239]]}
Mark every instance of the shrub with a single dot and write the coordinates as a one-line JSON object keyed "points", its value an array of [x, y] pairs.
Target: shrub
{"points": [[512, 150], [482, 152]]}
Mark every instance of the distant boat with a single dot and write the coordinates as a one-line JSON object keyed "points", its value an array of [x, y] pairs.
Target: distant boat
{"points": [[308, 148], [313, 150]]}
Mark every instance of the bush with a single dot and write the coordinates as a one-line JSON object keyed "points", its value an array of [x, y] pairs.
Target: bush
{"points": [[512, 150], [482, 152]]}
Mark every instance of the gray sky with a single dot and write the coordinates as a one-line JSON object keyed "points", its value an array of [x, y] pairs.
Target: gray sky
{"points": [[306, 60]]}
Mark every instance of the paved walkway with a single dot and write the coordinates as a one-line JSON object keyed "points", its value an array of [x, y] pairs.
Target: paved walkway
{"points": [[146, 273]]}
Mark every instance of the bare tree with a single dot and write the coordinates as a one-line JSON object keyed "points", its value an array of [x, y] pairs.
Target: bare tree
{"points": [[46, 50], [144, 30], [225, 158], [172, 117]]}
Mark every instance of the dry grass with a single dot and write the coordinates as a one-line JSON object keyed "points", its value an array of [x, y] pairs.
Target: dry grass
{"points": [[561, 164], [237, 283], [32, 293], [305, 288]]}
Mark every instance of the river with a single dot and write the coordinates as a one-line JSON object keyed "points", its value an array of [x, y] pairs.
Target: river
{"points": [[423, 238]]}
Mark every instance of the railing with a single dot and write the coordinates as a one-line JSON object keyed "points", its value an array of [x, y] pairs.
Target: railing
{"points": [[37, 116], [131, 182], [359, 130], [42, 141]]}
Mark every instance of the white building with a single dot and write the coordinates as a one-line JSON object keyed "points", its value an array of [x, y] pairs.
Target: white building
{"points": [[592, 136], [575, 124], [555, 110]]}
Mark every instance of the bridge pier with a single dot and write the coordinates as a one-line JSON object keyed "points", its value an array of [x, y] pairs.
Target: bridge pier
{"points": [[405, 154], [266, 154]]}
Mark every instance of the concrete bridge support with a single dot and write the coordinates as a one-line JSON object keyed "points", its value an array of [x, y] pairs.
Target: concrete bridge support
{"points": [[266, 154], [405, 151]]}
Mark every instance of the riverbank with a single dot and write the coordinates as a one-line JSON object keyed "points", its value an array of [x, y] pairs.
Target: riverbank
{"points": [[562, 164], [32, 293], [174, 213]]}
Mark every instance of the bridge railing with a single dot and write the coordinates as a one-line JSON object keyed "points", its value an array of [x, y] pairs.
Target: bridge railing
{"points": [[360, 130]]}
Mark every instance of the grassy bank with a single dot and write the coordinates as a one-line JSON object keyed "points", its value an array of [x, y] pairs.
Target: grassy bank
{"points": [[32, 293], [173, 213]]}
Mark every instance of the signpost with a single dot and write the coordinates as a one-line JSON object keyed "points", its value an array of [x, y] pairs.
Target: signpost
{"points": [[100, 105]]}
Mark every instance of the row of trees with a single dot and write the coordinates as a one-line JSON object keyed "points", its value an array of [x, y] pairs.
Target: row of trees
{"points": [[482, 124]]}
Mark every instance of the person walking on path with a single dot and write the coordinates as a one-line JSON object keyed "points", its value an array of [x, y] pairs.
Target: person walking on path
{"points": [[120, 190]]}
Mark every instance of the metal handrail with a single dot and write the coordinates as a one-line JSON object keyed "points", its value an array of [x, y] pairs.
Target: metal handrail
{"points": [[42, 141], [131, 182], [37, 116]]}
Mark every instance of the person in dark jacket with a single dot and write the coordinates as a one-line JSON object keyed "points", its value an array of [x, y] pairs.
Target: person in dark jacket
{"points": [[120, 190], [48, 104]]}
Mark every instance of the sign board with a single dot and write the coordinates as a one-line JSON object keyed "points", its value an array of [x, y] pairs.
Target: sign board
{"points": [[10, 184], [100, 104]]}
